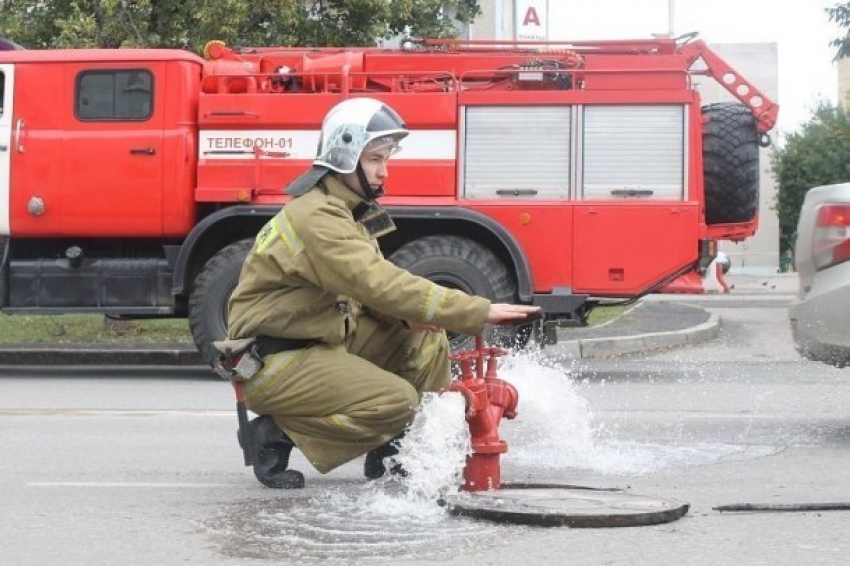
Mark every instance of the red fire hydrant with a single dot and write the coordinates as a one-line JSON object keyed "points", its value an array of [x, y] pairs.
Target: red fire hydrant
{"points": [[488, 399]]}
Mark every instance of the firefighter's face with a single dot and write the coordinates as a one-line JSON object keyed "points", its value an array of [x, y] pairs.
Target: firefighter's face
{"points": [[374, 162]]}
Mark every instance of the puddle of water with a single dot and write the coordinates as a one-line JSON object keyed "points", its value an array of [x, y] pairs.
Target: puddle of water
{"points": [[392, 518], [346, 525]]}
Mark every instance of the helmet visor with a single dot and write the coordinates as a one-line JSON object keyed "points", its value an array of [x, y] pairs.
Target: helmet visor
{"points": [[385, 143]]}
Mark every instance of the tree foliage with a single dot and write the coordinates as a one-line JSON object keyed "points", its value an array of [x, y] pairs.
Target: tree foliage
{"points": [[818, 154], [189, 24], [840, 14]]}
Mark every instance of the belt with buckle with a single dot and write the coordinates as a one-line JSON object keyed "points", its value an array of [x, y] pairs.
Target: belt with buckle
{"points": [[267, 345]]}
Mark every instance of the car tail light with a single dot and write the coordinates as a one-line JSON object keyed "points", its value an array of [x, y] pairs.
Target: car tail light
{"points": [[832, 235]]}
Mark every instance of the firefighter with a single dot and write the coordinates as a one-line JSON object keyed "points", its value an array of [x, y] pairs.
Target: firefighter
{"points": [[349, 341]]}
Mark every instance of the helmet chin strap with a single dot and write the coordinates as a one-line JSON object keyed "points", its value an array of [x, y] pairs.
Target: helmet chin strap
{"points": [[368, 191]]}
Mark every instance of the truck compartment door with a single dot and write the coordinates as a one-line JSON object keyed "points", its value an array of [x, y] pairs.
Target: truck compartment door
{"points": [[634, 226], [634, 152], [517, 151], [624, 249], [7, 89]]}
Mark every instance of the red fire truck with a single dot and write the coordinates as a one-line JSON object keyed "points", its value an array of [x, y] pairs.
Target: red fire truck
{"points": [[133, 181]]}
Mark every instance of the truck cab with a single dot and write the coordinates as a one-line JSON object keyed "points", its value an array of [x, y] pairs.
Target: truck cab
{"points": [[95, 137], [97, 163]]}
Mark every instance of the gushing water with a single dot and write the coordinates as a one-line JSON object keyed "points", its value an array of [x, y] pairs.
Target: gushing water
{"points": [[557, 430], [432, 454], [434, 449], [553, 418]]}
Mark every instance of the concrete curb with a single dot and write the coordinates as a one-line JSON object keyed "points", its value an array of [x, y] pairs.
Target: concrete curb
{"points": [[624, 345], [75, 354]]}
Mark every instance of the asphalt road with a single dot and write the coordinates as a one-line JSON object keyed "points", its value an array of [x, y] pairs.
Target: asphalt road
{"points": [[141, 466]]}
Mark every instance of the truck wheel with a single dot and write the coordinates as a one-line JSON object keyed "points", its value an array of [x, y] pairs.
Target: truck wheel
{"points": [[210, 293], [730, 164], [461, 263]]}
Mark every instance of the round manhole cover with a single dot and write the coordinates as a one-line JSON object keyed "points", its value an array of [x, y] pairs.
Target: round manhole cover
{"points": [[570, 506]]}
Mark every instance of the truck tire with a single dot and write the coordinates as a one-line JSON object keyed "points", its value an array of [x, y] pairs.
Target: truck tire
{"points": [[461, 263], [730, 164], [210, 293]]}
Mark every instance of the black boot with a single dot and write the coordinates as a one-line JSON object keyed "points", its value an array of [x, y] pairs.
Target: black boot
{"points": [[271, 449], [374, 467]]}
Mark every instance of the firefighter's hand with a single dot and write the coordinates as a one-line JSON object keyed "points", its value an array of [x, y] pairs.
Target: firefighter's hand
{"points": [[502, 313]]}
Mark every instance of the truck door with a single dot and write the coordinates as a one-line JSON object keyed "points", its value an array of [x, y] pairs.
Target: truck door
{"points": [[112, 154], [635, 224], [7, 88]]}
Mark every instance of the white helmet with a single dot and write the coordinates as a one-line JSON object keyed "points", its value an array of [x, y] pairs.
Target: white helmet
{"points": [[353, 124]]}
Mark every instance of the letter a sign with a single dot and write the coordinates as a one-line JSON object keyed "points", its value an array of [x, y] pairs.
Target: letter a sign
{"points": [[532, 20]]}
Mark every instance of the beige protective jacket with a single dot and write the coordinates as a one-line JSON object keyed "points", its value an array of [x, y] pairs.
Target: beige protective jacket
{"points": [[313, 269]]}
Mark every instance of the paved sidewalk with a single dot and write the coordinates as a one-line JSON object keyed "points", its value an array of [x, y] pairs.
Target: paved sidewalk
{"points": [[775, 284], [646, 327]]}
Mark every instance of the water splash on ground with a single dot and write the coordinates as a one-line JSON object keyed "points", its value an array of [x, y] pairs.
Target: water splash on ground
{"points": [[390, 519], [399, 518], [349, 526]]}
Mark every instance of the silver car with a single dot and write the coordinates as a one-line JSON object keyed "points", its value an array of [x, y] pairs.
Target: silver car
{"points": [[820, 316]]}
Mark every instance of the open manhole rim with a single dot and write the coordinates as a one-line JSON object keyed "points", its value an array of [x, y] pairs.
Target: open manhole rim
{"points": [[467, 508]]}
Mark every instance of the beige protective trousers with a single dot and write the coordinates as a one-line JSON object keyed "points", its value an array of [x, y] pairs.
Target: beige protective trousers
{"points": [[338, 402]]}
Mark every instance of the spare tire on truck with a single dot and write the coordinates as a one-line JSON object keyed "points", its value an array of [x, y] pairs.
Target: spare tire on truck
{"points": [[730, 164]]}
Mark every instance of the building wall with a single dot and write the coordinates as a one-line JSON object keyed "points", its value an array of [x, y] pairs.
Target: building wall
{"points": [[484, 27], [496, 20], [844, 82]]}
